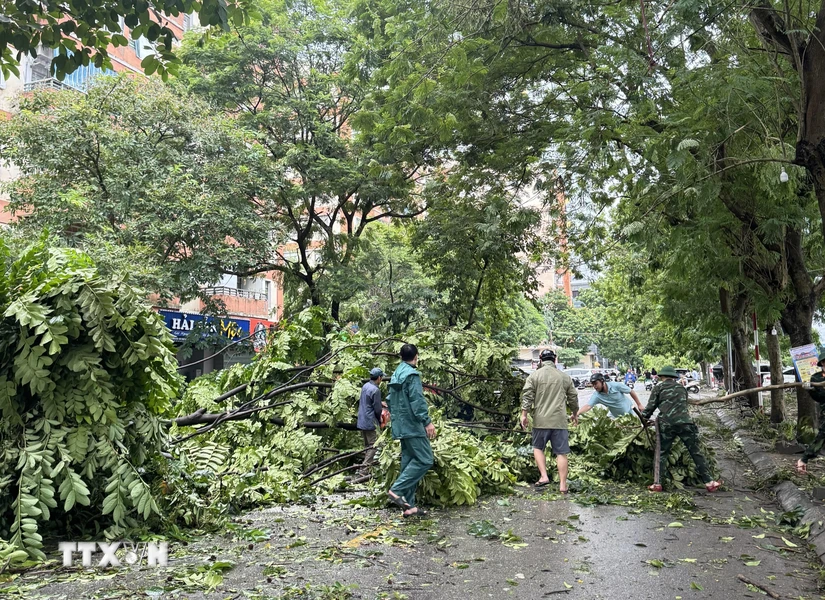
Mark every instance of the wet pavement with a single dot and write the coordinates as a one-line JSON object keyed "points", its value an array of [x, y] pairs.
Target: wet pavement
{"points": [[686, 545]]}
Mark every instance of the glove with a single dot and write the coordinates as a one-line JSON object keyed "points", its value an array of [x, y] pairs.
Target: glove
{"points": [[806, 385], [385, 418]]}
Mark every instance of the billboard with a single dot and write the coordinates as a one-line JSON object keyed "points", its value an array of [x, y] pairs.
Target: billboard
{"points": [[804, 360], [260, 327], [181, 325]]}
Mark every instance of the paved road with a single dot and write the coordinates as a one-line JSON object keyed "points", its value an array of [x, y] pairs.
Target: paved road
{"points": [[548, 545]]}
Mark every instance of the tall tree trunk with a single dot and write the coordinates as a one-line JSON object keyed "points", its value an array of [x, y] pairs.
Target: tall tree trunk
{"points": [[742, 361], [797, 324], [775, 358], [476, 296], [797, 318], [727, 371], [335, 310]]}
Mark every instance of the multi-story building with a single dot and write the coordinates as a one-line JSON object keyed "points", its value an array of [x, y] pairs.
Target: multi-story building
{"points": [[252, 304]]}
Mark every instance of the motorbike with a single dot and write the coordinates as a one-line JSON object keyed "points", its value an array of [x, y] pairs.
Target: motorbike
{"points": [[692, 387], [649, 383]]}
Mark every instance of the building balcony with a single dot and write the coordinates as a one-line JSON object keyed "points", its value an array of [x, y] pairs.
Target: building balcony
{"points": [[234, 292], [50, 83], [241, 302]]}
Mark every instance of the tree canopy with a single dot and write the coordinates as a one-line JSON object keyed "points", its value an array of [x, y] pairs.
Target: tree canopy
{"points": [[81, 32]]}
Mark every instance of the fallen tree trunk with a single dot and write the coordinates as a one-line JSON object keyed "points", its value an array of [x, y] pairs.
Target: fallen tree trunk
{"points": [[767, 388], [435, 388], [201, 417]]}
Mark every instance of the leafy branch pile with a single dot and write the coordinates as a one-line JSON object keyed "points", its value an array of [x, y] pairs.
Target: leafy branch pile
{"points": [[86, 372], [273, 431], [618, 449], [305, 414]]}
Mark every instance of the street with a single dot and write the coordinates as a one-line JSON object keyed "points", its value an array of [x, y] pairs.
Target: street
{"points": [[606, 543]]}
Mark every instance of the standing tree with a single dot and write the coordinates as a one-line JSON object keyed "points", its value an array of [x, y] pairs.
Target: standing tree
{"points": [[285, 81], [83, 31], [140, 178], [479, 248]]}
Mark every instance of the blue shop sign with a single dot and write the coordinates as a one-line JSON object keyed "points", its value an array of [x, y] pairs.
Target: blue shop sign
{"points": [[181, 324]]}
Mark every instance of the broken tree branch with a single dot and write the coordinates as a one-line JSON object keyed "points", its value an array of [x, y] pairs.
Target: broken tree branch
{"points": [[759, 586], [212, 420], [463, 401], [328, 461], [338, 472], [767, 388]]}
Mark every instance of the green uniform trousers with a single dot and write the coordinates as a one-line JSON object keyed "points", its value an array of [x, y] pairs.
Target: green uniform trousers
{"points": [[416, 460], [689, 434], [813, 450]]}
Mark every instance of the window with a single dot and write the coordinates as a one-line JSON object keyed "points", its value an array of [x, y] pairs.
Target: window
{"points": [[187, 23], [2, 81], [142, 47]]}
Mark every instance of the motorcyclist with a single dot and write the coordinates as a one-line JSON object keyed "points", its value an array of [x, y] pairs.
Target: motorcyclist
{"points": [[630, 379]]}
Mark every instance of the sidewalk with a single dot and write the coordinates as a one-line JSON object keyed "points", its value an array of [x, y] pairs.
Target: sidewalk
{"points": [[770, 465]]}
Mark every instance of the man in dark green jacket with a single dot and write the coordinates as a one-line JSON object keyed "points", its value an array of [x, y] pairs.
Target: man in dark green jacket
{"points": [[411, 424], [671, 398], [818, 394]]}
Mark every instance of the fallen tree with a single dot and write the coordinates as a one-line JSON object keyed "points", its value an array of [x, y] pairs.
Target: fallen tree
{"points": [[766, 388]]}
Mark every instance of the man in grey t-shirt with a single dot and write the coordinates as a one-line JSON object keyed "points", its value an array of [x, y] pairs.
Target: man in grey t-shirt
{"points": [[370, 408]]}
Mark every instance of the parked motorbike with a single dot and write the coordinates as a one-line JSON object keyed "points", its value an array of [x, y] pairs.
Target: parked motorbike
{"points": [[692, 387], [649, 383]]}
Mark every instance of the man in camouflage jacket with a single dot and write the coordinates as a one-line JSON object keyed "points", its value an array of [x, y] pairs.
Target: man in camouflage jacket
{"points": [[670, 398], [818, 394]]}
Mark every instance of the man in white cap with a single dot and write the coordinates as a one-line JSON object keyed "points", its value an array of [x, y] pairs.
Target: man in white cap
{"points": [[370, 409]]}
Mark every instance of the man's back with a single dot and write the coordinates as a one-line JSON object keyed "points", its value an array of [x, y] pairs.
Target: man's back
{"points": [[547, 389]]}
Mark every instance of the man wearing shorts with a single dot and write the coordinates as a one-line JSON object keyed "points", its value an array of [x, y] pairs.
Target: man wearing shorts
{"points": [[546, 391]]}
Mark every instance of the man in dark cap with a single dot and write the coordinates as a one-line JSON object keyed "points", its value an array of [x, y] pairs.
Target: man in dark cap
{"points": [[671, 398], [370, 408], [818, 394], [545, 392]]}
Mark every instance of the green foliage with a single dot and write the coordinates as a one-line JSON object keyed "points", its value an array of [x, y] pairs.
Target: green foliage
{"points": [[466, 466], [522, 324], [317, 186], [243, 463], [86, 372], [84, 32], [619, 450], [480, 248], [151, 182]]}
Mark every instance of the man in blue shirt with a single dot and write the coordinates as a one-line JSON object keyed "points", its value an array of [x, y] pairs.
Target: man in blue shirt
{"points": [[630, 378], [370, 408], [612, 395]]}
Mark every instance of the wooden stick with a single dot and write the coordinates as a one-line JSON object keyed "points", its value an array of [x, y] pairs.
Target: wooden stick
{"points": [[769, 592], [767, 388]]}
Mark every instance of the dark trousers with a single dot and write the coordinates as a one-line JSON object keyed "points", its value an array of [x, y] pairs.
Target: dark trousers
{"points": [[813, 450], [416, 460], [689, 434], [369, 436]]}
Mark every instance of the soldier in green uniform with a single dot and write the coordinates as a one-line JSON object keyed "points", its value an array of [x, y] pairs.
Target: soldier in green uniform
{"points": [[818, 394], [411, 425], [674, 421]]}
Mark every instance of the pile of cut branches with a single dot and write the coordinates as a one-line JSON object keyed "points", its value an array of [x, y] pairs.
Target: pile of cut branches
{"points": [[87, 371]]}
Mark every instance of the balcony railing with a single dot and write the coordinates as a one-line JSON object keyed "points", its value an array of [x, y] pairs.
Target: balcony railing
{"points": [[229, 291], [49, 83]]}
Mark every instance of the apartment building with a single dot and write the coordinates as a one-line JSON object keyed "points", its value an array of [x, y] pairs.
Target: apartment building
{"points": [[252, 304]]}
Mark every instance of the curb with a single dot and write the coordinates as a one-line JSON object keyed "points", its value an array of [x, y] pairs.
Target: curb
{"points": [[788, 495]]}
